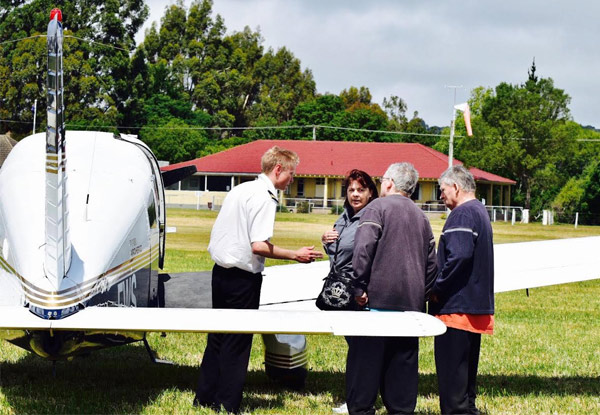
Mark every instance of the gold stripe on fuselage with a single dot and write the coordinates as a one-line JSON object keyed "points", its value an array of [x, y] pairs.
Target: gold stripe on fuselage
{"points": [[80, 292]]}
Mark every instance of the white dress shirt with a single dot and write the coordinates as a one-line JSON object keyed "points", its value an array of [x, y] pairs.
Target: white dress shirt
{"points": [[247, 215]]}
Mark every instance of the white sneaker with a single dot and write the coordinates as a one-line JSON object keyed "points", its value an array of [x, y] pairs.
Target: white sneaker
{"points": [[342, 409]]}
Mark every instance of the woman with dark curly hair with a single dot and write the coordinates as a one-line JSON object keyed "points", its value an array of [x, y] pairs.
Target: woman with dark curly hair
{"points": [[360, 191]]}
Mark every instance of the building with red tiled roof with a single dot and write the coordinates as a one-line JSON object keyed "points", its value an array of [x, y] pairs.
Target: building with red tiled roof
{"points": [[324, 164]]}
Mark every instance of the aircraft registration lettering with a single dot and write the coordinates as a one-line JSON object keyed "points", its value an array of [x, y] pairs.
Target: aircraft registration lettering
{"points": [[125, 292], [137, 250]]}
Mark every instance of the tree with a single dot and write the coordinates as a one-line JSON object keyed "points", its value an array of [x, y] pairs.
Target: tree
{"points": [[96, 64], [215, 71], [520, 133], [173, 139], [355, 97], [590, 201], [395, 107], [281, 86]]}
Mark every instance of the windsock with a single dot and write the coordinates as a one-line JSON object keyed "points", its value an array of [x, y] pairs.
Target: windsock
{"points": [[466, 115]]}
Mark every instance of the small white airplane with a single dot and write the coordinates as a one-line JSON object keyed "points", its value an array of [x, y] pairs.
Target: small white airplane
{"points": [[82, 239]]}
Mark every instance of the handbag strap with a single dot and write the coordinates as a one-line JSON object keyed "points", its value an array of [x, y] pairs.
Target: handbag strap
{"points": [[337, 245]]}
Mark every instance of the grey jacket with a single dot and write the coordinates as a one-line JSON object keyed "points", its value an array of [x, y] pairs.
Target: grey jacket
{"points": [[394, 255], [346, 227]]}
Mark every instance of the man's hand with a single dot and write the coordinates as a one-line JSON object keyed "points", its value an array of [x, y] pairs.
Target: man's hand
{"points": [[307, 254], [362, 300]]}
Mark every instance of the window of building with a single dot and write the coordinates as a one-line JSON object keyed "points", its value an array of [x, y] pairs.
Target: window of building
{"points": [[300, 187], [320, 180], [417, 193]]}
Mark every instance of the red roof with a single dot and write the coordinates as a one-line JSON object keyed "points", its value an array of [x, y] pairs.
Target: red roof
{"points": [[333, 158]]}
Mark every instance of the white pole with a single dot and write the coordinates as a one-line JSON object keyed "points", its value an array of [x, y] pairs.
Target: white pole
{"points": [[34, 114], [451, 141], [514, 217], [576, 219]]}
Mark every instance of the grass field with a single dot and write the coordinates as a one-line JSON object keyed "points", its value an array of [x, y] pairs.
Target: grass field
{"points": [[544, 357]]}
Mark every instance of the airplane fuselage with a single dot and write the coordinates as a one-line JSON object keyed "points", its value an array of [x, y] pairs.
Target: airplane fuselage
{"points": [[116, 231]]}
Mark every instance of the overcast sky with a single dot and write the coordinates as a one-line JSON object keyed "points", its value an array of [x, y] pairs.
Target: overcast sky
{"points": [[417, 48]]}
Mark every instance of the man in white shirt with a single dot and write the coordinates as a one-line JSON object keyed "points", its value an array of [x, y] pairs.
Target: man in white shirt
{"points": [[239, 244]]}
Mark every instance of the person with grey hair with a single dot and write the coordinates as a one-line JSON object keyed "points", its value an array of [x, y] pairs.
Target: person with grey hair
{"points": [[460, 176], [394, 266], [463, 293]]}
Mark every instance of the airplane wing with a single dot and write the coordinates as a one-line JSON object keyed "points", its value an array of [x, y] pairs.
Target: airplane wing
{"points": [[121, 319], [518, 266], [536, 264]]}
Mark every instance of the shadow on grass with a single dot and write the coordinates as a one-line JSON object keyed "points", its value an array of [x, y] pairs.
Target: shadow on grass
{"points": [[124, 380]]}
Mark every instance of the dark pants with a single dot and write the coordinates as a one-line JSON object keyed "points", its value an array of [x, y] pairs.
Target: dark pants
{"points": [[225, 361], [456, 361], [386, 364]]}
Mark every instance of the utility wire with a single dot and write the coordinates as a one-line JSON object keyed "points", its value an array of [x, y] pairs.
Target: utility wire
{"points": [[97, 43], [282, 127], [67, 36], [23, 38]]}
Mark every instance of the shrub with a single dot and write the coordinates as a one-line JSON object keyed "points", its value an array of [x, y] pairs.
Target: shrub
{"points": [[337, 209], [303, 207]]}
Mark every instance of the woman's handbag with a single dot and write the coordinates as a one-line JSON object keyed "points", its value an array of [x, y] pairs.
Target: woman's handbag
{"points": [[337, 293], [338, 289]]}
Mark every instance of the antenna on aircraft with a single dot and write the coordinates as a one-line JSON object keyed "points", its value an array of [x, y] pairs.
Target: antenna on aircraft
{"points": [[58, 245]]}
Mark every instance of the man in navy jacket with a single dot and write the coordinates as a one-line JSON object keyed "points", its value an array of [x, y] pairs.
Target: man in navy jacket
{"points": [[463, 293]]}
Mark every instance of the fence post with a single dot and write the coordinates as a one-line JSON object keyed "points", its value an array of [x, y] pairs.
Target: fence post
{"points": [[514, 217], [525, 217], [576, 219]]}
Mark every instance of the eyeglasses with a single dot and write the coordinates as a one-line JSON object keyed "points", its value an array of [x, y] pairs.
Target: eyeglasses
{"points": [[382, 179]]}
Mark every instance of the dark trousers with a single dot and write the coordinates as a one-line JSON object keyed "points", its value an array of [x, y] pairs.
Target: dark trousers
{"points": [[225, 361], [386, 364], [456, 361]]}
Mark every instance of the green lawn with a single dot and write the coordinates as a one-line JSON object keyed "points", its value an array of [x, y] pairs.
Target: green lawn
{"points": [[543, 359]]}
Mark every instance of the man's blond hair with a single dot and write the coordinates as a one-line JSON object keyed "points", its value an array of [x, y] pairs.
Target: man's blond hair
{"points": [[277, 155]]}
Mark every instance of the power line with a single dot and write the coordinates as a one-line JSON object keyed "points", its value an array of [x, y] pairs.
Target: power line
{"points": [[67, 36], [97, 43], [23, 38], [283, 127]]}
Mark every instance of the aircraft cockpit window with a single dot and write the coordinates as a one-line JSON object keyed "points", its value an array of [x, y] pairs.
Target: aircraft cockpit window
{"points": [[152, 213]]}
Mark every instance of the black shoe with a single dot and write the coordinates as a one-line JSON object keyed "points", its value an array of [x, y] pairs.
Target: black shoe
{"points": [[197, 402]]}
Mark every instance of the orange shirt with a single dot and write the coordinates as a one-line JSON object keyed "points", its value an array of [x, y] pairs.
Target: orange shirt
{"points": [[475, 323]]}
